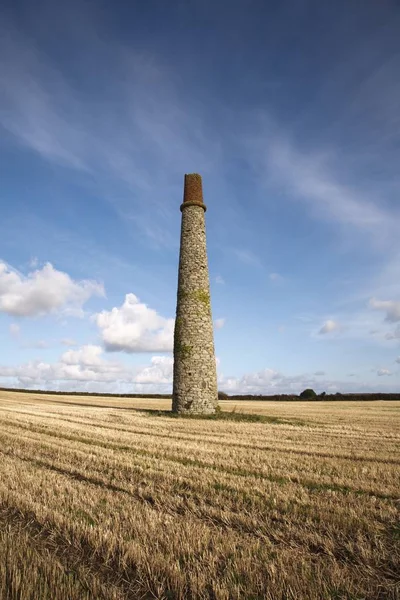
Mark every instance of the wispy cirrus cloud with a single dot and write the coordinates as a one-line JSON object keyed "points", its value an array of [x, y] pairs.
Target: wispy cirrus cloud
{"points": [[308, 177], [339, 155], [136, 141]]}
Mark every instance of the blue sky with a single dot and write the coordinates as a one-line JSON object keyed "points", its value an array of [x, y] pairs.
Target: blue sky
{"points": [[289, 110]]}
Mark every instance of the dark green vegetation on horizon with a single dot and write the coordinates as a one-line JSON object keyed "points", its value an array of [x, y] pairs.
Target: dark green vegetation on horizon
{"points": [[356, 397]]}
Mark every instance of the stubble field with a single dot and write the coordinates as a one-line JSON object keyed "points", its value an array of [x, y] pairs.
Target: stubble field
{"points": [[105, 498]]}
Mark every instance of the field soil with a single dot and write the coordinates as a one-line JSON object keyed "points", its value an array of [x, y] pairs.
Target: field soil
{"points": [[104, 498]]}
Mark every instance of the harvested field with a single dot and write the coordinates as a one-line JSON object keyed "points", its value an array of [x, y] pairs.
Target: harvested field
{"points": [[108, 498]]}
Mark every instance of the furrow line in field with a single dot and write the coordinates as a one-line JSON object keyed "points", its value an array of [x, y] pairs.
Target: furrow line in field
{"points": [[211, 428], [277, 448], [315, 486], [73, 558], [275, 531], [128, 465], [225, 461], [224, 488]]}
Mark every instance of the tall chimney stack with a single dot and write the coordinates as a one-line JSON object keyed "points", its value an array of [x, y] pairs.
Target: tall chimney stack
{"points": [[195, 374]]}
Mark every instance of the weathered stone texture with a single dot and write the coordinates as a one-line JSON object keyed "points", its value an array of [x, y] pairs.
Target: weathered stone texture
{"points": [[195, 377]]}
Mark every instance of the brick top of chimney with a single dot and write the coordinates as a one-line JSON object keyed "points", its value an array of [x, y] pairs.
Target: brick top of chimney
{"points": [[193, 191]]}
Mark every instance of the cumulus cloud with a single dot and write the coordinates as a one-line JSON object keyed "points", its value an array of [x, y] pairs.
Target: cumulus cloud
{"points": [[391, 307], [219, 323], [383, 372], [88, 369], [260, 378], [134, 327], [159, 371], [270, 382], [266, 381], [86, 366], [43, 291], [89, 356], [328, 327]]}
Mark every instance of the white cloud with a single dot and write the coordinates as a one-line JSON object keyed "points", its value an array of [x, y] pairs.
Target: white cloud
{"points": [[89, 355], [271, 382], [266, 381], [76, 368], [383, 372], [159, 371], [319, 373], [220, 280], [398, 360], [329, 326], [219, 323], [134, 327], [14, 329], [43, 291], [391, 307], [87, 366], [266, 376], [86, 369]]}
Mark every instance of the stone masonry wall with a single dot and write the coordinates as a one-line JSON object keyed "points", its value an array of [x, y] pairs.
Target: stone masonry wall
{"points": [[195, 377]]}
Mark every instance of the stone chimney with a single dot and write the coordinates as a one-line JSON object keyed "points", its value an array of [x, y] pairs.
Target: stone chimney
{"points": [[195, 374]]}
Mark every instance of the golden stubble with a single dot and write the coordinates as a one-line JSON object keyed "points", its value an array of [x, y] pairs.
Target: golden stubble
{"points": [[106, 501]]}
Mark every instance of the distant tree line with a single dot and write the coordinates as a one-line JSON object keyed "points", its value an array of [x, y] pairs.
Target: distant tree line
{"points": [[314, 397], [306, 395], [102, 394]]}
